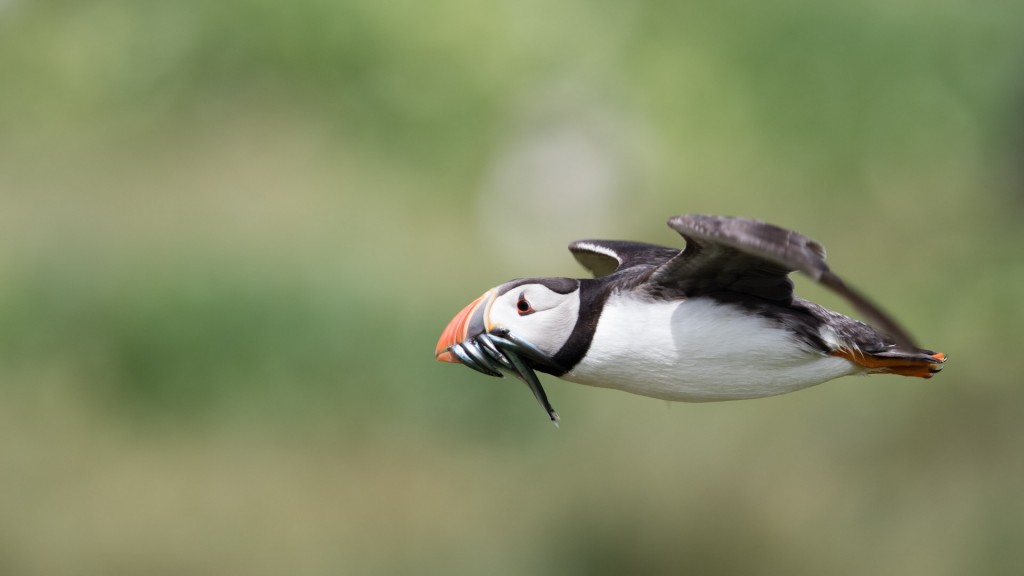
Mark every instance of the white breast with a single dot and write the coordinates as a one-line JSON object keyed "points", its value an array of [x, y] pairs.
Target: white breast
{"points": [[698, 350]]}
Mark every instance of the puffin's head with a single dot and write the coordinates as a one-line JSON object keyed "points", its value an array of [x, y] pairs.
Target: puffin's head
{"points": [[517, 327]]}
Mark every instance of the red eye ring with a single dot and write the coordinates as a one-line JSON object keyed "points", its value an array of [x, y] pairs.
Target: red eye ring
{"points": [[523, 305]]}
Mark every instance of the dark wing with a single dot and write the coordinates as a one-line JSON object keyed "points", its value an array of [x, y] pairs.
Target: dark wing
{"points": [[603, 257], [724, 254]]}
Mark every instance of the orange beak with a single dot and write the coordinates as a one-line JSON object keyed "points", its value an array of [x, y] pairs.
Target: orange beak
{"points": [[469, 335], [472, 316]]}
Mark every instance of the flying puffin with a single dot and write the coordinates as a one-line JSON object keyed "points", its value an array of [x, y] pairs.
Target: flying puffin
{"points": [[716, 320]]}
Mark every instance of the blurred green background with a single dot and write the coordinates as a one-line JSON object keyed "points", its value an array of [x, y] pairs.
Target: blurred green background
{"points": [[231, 233]]}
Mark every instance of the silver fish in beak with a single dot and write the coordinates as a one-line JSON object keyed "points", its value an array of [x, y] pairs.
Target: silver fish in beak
{"points": [[495, 351]]}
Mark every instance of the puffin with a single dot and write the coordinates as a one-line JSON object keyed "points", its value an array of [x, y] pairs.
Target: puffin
{"points": [[716, 320]]}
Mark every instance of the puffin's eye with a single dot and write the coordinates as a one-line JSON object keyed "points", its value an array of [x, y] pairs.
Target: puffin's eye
{"points": [[523, 305]]}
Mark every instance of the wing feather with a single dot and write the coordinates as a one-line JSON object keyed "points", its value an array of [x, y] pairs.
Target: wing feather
{"points": [[726, 254], [604, 257]]}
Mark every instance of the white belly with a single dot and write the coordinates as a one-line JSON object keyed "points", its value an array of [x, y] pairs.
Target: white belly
{"points": [[697, 351]]}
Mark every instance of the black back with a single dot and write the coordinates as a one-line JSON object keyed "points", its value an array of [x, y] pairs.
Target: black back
{"points": [[738, 260]]}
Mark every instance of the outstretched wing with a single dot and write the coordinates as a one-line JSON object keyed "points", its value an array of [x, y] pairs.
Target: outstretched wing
{"points": [[725, 254], [603, 257]]}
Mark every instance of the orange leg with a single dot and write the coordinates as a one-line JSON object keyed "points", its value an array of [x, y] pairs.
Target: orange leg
{"points": [[921, 366]]}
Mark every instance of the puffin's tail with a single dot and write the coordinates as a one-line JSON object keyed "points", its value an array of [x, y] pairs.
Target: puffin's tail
{"points": [[918, 363]]}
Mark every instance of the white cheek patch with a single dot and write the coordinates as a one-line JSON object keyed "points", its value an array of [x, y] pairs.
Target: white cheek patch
{"points": [[548, 327]]}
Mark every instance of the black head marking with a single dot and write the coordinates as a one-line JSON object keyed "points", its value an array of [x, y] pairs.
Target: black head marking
{"points": [[558, 285]]}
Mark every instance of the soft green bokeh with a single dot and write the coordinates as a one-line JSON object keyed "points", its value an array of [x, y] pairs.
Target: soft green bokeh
{"points": [[231, 232]]}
